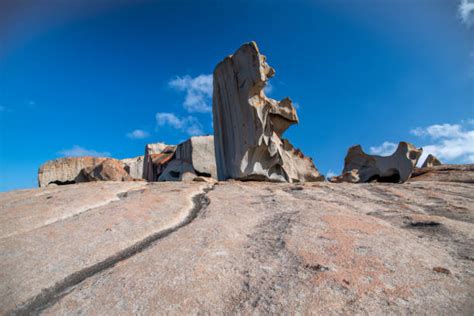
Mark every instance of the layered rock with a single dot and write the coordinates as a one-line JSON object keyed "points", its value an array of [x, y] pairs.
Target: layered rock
{"points": [[431, 161], [107, 170], [134, 166], [396, 168], [248, 126], [156, 157], [66, 170], [194, 156], [445, 173]]}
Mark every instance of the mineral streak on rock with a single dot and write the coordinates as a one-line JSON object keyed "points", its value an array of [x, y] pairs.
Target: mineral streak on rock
{"points": [[248, 126], [431, 161], [395, 168], [156, 157], [66, 170], [134, 166], [195, 157]]}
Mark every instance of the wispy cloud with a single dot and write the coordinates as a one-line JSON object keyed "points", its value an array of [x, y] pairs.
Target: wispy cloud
{"points": [[448, 142], [386, 149], [268, 88], [330, 174], [466, 12], [2, 108], [138, 134], [78, 151], [198, 92], [188, 124]]}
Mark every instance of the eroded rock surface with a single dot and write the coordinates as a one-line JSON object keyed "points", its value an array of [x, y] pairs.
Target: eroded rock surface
{"points": [[134, 166], [156, 157], [66, 170], [248, 126], [395, 168], [431, 161], [445, 173], [107, 170], [248, 248]]}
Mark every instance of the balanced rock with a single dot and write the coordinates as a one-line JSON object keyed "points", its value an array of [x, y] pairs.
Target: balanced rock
{"points": [[445, 173], [107, 170], [195, 157], [431, 161], [396, 168], [156, 157], [248, 126], [66, 170], [134, 166]]}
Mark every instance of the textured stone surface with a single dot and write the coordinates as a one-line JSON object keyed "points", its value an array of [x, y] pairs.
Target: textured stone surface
{"points": [[107, 170], [134, 166], [156, 157], [175, 170], [445, 173], [199, 152], [431, 161], [248, 126], [395, 168], [66, 170], [251, 248], [69, 240]]}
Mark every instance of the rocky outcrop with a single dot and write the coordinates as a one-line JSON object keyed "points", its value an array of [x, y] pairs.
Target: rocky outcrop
{"points": [[445, 173], [238, 248], [195, 157], [248, 126], [107, 170], [66, 170], [134, 166], [431, 161], [396, 168], [156, 157], [348, 176]]}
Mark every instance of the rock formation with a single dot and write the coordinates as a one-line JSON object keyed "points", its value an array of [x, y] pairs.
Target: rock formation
{"points": [[107, 170], [431, 161], [351, 176], [134, 166], [445, 173], [248, 126], [66, 170], [195, 156], [395, 168], [156, 157], [238, 248]]}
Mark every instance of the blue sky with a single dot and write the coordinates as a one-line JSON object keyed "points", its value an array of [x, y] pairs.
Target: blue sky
{"points": [[107, 77]]}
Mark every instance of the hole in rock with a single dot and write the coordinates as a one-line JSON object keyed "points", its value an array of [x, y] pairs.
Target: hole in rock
{"points": [[57, 182], [393, 176]]}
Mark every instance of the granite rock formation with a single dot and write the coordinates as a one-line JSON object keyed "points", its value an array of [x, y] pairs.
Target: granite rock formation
{"points": [[66, 170], [156, 157], [120, 248], [248, 126], [134, 166], [107, 170], [396, 168], [445, 173], [431, 161]]}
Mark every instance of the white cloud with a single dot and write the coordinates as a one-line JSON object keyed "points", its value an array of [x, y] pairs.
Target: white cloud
{"points": [[386, 149], [198, 92], [78, 151], [330, 174], [451, 143], [189, 124], [138, 134], [268, 88], [466, 12]]}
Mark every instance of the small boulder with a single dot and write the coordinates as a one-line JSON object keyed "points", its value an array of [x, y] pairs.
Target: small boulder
{"points": [[351, 176], [134, 166], [107, 170], [176, 169]]}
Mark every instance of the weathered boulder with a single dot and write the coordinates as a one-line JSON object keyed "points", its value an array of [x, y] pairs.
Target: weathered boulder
{"points": [[445, 173], [107, 170], [351, 176], [175, 170], [156, 157], [431, 161], [199, 152], [248, 126], [66, 170], [396, 168], [134, 166]]}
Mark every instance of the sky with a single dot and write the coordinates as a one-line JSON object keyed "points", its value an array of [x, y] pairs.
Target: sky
{"points": [[104, 78]]}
